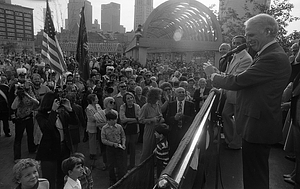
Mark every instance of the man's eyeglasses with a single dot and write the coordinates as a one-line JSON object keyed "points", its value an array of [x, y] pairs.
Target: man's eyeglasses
{"points": [[148, 75], [167, 89], [112, 102], [123, 86]]}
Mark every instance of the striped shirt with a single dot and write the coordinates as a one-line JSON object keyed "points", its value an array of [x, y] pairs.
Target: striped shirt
{"points": [[162, 151]]}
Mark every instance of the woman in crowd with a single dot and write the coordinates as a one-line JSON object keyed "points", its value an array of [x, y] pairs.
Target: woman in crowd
{"points": [[140, 100], [108, 104], [129, 114], [75, 129], [150, 116], [53, 147], [91, 110]]}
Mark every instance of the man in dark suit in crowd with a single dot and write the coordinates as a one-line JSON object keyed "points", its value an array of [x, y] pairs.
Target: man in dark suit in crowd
{"points": [[259, 91], [179, 117]]}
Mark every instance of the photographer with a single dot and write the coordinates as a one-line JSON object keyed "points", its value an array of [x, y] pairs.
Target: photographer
{"points": [[23, 106]]}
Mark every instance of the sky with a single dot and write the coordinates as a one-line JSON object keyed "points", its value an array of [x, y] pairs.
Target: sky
{"points": [[59, 7]]}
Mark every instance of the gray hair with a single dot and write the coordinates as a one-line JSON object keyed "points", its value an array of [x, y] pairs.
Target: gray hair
{"points": [[265, 22]]}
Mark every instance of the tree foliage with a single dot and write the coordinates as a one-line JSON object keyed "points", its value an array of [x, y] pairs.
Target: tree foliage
{"points": [[232, 23]]}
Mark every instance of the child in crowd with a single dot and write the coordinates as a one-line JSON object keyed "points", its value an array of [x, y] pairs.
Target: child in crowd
{"points": [[86, 180], [162, 148], [113, 135], [26, 174], [72, 167]]}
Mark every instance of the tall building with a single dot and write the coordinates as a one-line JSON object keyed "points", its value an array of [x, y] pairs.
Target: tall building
{"points": [[110, 17], [142, 9], [16, 28], [74, 8], [96, 26]]}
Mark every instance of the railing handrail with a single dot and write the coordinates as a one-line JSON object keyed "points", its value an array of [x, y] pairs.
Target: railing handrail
{"points": [[180, 162]]}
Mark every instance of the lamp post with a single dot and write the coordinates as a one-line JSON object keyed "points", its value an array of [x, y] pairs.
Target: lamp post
{"points": [[138, 35]]}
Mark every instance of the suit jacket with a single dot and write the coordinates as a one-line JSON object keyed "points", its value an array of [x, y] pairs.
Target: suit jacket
{"points": [[177, 133], [259, 91], [239, 63]]}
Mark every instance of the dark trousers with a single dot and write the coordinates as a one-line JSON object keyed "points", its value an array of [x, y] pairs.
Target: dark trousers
{"points": [[102, 148], [255, 165], [20, 126], [49, 172], [4, 119], [159, 167], [52, 171], [115, 159], [130, 145]]}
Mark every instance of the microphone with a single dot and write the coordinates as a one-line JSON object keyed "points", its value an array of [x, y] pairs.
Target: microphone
{"points": [[237, 49]]}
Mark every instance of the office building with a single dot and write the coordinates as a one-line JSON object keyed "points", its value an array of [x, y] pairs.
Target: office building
{"points": [[74, 8], [16, 28], [142, 9], [110, 17]]}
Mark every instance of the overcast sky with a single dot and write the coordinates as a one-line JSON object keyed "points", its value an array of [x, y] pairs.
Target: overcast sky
{"points": [[59, 7]]}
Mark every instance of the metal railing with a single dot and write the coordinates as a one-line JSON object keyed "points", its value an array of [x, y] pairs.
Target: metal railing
{"points": [[185, 161]]}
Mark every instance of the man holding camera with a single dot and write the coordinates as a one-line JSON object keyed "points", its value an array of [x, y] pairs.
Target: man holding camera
{"points": [[23, 105]]}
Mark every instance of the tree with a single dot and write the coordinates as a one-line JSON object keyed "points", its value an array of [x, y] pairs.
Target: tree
{"points": [[232, 23], [9, 48]]}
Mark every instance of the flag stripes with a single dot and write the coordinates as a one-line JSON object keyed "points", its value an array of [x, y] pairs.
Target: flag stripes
{"points": [[50, 48]]}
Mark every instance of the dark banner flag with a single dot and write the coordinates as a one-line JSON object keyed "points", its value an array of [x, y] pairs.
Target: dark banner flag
{"points": [[82, 49], [51, 51]]}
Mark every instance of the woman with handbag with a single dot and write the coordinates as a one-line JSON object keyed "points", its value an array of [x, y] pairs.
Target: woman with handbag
{"points": [[129, 113]]}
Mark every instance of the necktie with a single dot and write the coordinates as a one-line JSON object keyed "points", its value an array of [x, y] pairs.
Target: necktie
{"points": [[180, 111]]}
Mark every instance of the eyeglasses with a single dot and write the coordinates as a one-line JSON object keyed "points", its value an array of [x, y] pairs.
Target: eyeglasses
{"points": [[123, 86], [148, 75], [112, 102], [168, 89]]}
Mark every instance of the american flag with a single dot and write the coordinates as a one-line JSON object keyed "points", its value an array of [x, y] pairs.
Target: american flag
{"points": [[51, 50]]}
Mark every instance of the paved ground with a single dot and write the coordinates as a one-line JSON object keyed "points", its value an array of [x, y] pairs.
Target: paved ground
{"points": [[230, 166]]}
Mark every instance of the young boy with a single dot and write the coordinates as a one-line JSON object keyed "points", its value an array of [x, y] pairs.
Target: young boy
{"points": [[162, 148], [86, 180], [26, 174], [113, 135], [72, 167]]}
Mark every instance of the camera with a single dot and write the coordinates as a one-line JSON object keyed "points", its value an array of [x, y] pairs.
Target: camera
{"points": [[109, 87]]}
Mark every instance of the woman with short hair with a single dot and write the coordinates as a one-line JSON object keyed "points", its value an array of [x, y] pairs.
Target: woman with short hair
{"points": [[129, 114], [108, 103]]}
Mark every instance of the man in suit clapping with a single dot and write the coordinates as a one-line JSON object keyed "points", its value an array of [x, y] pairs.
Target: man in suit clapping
{"points": [[179, 117]]}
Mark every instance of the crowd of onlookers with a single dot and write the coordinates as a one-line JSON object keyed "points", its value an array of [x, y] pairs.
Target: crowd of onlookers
{"points": [[121, 103]]}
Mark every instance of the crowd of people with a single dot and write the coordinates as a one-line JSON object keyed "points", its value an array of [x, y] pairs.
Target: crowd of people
{"points": [[119, 105], [124, 103]]}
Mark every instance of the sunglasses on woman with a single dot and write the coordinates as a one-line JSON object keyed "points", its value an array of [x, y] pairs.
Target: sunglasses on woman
{"points": [[112, 102]]}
